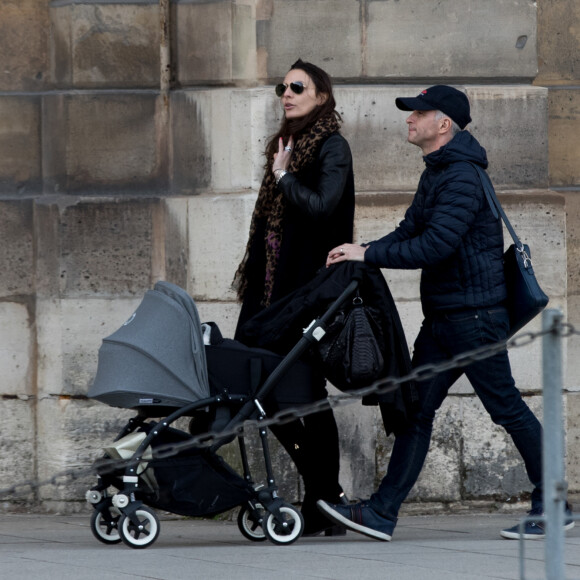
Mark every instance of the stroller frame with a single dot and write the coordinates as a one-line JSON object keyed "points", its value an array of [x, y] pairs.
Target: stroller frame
{"points": [[126, 517]]}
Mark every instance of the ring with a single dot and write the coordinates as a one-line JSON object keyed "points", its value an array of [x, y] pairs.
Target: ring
{"points": [[342, 250], [287, 148]]}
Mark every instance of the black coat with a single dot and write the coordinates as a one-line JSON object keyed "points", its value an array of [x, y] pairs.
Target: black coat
{"points": [[280, 327], [319, 216], [449, 232]]}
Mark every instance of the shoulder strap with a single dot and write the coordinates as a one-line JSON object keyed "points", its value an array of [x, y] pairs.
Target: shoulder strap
{"points": [[494, 204]]}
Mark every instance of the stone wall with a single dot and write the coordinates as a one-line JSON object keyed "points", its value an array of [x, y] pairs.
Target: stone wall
{"points": [[131, 139]]}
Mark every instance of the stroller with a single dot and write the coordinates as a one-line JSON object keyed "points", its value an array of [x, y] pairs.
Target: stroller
{"points": [[159, 365]]}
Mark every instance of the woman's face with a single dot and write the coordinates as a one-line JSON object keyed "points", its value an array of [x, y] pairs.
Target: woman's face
{"points": [[298, 106]]}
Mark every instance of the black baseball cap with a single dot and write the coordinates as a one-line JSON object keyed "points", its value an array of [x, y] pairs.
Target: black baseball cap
{"points": [[448, 100]]}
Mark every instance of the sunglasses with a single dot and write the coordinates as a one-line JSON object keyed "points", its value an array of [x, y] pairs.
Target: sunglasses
{"points": [[297, 88]]}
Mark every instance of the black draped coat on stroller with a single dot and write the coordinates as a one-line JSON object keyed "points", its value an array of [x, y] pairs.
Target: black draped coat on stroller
{"points": [[279, 327]]}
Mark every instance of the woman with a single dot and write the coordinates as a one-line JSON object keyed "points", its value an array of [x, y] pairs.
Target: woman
{"points": [[305, 207]]}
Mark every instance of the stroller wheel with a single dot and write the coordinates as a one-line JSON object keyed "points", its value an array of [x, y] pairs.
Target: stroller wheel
{"points": [[250, 522], [144, 534], [288, 529], [105, 525]]}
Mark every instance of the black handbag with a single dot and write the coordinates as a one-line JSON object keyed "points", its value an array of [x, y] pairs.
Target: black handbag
{"points": [[351, 350], [525, 297]]}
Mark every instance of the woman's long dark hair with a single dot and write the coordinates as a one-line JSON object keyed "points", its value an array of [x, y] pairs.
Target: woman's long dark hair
{"points": [[296, 127]]}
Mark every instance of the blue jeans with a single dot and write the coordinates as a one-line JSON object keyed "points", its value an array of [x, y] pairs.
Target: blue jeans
{"points": [[441, 337]]}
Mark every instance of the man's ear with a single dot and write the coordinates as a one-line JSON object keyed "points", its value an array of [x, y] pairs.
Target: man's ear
{"points": [[445, 124]]}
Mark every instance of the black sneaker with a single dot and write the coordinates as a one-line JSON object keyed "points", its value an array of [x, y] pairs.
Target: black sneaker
{"points": [[361, 518], [535, 530]]}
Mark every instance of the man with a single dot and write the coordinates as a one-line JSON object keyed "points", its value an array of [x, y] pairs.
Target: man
{"points": [[450, 233]]}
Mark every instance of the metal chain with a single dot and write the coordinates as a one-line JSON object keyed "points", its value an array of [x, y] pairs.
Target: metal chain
{"points": [[380, 387]]}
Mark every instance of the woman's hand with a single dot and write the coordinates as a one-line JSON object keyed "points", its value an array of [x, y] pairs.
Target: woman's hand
{"points": [[345, 252], [282, 158]]}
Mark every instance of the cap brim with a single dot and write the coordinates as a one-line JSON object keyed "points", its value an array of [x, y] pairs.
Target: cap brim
{"points": [[413, 104]]}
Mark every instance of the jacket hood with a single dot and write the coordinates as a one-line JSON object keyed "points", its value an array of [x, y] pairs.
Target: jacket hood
{"points": [[463, 147]]}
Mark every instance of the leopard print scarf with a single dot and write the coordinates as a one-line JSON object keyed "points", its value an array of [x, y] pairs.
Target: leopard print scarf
{"points": [[271, 204]]}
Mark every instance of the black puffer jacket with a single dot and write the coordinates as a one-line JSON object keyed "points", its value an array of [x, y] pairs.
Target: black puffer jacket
{"points": [[449, 232]]}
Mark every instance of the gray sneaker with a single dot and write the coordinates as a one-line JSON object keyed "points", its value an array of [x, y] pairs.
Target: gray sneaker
{"points": [[535, 530], [359, 517]]}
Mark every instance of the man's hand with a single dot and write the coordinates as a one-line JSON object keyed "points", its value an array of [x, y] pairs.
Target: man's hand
{"points": [[345, 252]]}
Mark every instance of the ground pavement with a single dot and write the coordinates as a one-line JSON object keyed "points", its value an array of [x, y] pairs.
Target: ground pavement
{"points": [[441, 547]]}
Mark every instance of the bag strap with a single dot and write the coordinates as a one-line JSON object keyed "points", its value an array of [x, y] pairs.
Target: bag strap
{"points": [[494, 204]]}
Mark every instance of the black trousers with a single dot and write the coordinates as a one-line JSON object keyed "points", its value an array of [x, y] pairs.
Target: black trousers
{"points": [[312, 443]]}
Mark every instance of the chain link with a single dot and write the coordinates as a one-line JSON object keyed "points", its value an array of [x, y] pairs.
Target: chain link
{"points": [[380, 387]]}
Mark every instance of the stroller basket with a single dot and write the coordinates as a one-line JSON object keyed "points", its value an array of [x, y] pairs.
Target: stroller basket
{"points": [[192, 482]]}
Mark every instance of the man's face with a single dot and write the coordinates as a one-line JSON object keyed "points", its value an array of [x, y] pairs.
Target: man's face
{"points": [[424, 130]]}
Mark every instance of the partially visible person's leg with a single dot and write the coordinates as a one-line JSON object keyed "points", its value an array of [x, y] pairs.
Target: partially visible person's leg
{"points": [[411, 446], [314, 448], [322, 456], [493, 383], [377, 517]]}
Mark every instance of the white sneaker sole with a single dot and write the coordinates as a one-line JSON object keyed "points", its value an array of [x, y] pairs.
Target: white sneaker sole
{"points": [[339, 519]]}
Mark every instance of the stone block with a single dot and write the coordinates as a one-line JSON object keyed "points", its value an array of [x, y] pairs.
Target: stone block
{"points": [[573, 441], [221, 134], [71, 435], [171, 250], [493, 467], [224, 314], [20, 151], [239, 41], [573, 242], [327, 32], [105, 44], [564, 136], [214, 41], [441, 477], [16, 349], [511, 122], [558, 39], [377, 134], [95, 249], [526, 360], [17, 259], [572, 345], [506, 120], [411, 318], [104, 142], [218, 232], [220, 137], [69, 334], [191, 129], [24, 33], [17, 446], [362, 442], [505, 37]]}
